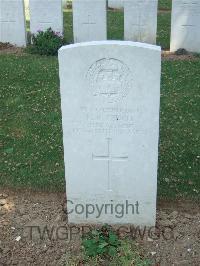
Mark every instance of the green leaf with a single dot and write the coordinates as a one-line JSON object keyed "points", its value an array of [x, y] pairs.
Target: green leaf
{"points": [[113, 240], [112, 251], [9, 150], [104, 244]]}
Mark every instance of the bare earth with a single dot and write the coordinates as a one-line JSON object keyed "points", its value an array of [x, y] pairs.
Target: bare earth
{"points": [[6, 48], [25, 215]]}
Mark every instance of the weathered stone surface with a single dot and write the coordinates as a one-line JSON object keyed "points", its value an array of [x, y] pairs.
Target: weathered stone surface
{"points": [[110, 113], [185, 25], [140, 20], [89, 20], [12, 22], [46, 14]]}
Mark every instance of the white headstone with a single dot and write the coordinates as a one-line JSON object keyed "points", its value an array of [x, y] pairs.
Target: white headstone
{"points": [[12, 22], [46, 14], [110, 114], [140, 20], [89, 20], [118, 4], [185, 25]]}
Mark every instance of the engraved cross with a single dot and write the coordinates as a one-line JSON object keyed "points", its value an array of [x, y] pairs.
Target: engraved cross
{"points": [[89, 22], [109, 158]]}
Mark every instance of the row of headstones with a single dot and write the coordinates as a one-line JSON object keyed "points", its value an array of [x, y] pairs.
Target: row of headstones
{"points": [[43, 15], [90, 21], [116, 4]]}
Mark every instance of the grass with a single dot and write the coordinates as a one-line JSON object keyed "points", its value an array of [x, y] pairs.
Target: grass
{"points": [[179, 165], [163, 30], [68, 26], [32, 138], [116, 27], [32, 152], [165, 4]]}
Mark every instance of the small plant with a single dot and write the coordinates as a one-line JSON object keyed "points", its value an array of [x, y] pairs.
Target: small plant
{"points": [[103, 247], [181, 51], [101, 242], [129, 255], [197, 55], [46, 42]]}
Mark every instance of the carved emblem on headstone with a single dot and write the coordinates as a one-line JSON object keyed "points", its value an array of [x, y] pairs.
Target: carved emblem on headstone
{"points": [[109, 79]]}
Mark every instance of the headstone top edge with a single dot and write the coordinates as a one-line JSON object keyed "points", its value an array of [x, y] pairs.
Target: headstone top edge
{"points": [[119, 43]]}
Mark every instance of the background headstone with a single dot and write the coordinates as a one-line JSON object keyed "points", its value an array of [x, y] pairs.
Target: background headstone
{"points": [[46, 14], [140, 20], [118, 4], [185, 25], [89, 20], [110, 114], [12, 22]]}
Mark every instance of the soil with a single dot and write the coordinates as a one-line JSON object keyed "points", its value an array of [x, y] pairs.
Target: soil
{"points": [[164, 10], [7, 48], [24, 215], [167, 55]]}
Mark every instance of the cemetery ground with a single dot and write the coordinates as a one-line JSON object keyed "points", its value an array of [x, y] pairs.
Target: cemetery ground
{"points": [[33, 231], [32, 135], [32, 157], [32, 167]]}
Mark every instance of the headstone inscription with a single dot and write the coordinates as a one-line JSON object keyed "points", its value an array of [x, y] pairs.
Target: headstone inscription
{"points": [[110, 115]]}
